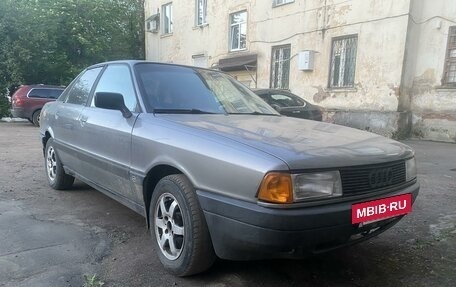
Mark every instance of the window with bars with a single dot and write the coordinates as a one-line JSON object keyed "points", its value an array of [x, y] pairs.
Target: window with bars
{"points": [[280, 67], [449, 75], [238, 31], [167, 11], [343, 62], [201, 12]]}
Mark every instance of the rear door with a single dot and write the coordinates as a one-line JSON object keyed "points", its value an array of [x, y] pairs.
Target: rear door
{"points": [[37, 97], [66, 118], [106, 135]]}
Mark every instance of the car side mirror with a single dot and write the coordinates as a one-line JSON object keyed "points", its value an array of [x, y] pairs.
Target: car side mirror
{"points": [[112, 101]]}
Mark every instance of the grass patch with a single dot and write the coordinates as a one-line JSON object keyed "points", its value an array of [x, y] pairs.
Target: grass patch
{"points": [[92, 281]]}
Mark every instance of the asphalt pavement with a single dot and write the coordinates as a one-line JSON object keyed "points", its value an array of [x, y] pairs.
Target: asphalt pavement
{"points": [[54, 238]]}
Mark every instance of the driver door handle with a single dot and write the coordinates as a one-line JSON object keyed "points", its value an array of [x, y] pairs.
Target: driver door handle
{"points": [[83, 120]]}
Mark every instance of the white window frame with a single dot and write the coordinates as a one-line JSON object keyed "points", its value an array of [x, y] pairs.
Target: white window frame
{"points": [[276, 3], [232, 25], [201, 10], [167, 21]]}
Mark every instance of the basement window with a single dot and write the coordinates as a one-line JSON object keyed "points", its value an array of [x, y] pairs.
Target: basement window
{"points": [[343, 62], [281, 2], [449, 75]]}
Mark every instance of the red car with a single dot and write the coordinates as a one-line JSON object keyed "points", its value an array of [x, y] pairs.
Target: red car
{"points": [[28, 100]]}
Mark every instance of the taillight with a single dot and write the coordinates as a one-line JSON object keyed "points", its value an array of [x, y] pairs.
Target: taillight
{"points": [[18, 101]]}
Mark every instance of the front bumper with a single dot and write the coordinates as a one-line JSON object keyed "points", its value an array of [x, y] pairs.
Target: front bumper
{"points": [[244, 231]]}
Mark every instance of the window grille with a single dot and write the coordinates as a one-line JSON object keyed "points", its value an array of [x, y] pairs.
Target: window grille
{"points": [[280, 67], [343, 62]]}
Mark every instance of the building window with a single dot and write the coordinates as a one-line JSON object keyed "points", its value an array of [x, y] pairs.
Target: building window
{"points": [[281, 2], [167, 12], [343, 62], [280, 67], [449, 77], [201, 12], [238, 31]]}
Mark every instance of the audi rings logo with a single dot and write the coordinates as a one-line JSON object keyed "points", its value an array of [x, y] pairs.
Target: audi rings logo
{"points": [[380, 177]]}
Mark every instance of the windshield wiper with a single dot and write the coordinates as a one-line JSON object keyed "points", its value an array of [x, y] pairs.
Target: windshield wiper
{"points": [[254, 113], [180, 111]]}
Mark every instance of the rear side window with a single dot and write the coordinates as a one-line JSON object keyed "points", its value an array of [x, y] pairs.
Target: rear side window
{"points": [[80, 91], [45, 93]]}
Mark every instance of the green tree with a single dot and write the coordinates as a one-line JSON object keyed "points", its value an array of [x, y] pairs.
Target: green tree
{"points": [[51, 41]]}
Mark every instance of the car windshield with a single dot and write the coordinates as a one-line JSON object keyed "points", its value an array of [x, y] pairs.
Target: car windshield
{"points": [[177, 89]]}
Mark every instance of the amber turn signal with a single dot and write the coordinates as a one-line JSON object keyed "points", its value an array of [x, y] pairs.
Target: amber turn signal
{"points": [[276, 188]]}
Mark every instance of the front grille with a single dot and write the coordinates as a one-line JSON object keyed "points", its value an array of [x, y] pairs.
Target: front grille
{"points": [[371, 178]]}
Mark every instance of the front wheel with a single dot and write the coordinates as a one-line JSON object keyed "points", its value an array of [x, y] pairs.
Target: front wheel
{"points": [[178, 227], [56, 175]]}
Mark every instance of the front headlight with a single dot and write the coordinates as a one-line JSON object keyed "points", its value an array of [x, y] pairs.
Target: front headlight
{"points": [[281, 187], [410, 169], [316, 185]]}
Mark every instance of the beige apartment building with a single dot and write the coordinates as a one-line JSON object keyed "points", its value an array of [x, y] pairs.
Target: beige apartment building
{"points": [[387, 66]]}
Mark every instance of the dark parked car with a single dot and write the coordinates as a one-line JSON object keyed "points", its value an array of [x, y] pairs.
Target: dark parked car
{"points": [[289, 104], [28, 100], [218, 172]]}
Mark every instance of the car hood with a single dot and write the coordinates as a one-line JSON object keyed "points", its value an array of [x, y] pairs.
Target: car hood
{"points": [[301, 144]]}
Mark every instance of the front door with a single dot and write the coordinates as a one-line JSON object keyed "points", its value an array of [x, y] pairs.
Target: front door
{"points": [[106, 135]]}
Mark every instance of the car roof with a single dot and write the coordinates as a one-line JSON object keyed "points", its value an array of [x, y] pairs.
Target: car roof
{"points": [[134, 62], [260, 90], [34, 86]]}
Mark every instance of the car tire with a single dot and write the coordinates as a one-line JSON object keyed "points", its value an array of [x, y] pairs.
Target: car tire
{"points": [[36, 118], [55, 173], [178, 227]]}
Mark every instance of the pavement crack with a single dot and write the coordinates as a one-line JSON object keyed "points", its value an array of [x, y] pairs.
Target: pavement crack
{"points": [[31, 249]]}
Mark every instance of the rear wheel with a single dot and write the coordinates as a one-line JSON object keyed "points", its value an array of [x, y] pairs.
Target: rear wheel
{"points": [[56, 175], [36, 118], [178, 227]]}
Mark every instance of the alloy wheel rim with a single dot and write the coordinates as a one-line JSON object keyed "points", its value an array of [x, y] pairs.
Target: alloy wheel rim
{"points": [[51, 164], [169, 226]]}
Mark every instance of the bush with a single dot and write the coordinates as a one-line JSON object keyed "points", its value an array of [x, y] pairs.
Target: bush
{"points": [[4, 107]]}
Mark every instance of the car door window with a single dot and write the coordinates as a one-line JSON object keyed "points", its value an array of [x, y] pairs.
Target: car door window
{"points": [[117, 79], [285, 101], [38, 93], [80, 91]]}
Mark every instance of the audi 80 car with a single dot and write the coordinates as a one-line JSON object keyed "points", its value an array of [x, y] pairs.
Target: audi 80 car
{"points": [[216, 171]]}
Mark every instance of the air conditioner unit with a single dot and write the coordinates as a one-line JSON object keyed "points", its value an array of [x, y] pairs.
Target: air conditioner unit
{"points": [[306, 60], [152, 24]]}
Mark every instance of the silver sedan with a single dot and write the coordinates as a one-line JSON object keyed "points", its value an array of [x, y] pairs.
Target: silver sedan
{"points": [[216, 171]]}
